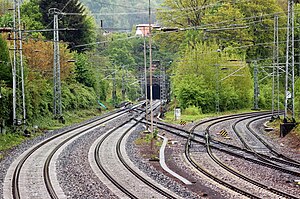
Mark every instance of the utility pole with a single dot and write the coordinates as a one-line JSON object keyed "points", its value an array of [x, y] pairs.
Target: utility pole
{"points": [[145, 64], [19, 111], [114, 92], [150, 68], [141, 80], [145, 71], [123, 86], [275, 85], [290, 63], [163, 88], [218, 83], [256, 89]]}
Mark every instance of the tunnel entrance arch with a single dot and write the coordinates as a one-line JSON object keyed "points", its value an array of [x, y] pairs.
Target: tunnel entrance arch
{"points": [[155, 91]]}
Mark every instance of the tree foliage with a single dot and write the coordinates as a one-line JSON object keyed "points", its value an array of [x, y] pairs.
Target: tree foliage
{"points": [[204, 74], [231, 23], [31, 16], [6, 20], [259, 15], [120, 51], [5, 67], [75, 18], [39, 56], [226, 25], [83, 72], [184, 13], [5, 6]]}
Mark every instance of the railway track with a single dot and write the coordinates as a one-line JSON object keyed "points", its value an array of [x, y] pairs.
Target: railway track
{"points": [[48, 186], [233, 150], [280, 162], [266, 160], [124, 177], [35, 163], [278, 156], [216, 160], [214, 121]]}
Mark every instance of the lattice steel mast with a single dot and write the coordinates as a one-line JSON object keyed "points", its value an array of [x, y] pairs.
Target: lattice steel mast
{"points": [[275, 73], [256, 88], [163, 88], [290, 63], [57, 106], [19, 110]]}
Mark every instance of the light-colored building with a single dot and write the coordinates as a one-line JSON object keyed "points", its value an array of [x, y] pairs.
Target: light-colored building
{"points": [[143, 29]]}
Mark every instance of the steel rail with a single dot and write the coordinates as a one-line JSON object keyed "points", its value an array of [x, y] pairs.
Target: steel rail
{"points": [[228, 151], [278, 192], [211, 176], [102, 169], [246, 151], [286, 160], [202, 170], [118, 149], [46, 171], [260, 156], [114, 181], [17, 170]]}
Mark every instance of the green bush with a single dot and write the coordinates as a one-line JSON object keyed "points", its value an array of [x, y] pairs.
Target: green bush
{"points": [[192, 110], [39, 98], [6, 104], [78, 96]]}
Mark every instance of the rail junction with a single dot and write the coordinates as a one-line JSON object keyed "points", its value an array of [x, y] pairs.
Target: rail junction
{"points": [[99, 159]]}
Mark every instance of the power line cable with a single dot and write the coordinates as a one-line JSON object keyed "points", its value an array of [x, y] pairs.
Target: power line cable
{"points": [[123, 6]]}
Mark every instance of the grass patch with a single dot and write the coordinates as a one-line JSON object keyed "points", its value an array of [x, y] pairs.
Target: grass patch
{"points": [[10, 140], [145, 139], [276, 125], [169, 116], [71, 117]]}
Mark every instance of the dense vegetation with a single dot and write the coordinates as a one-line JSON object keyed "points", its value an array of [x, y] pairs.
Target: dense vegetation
{"points": [[242, 31], [210, 60]]}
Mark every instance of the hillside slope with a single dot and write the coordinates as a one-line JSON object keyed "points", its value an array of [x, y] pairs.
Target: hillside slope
{"points": [[120, 15]]}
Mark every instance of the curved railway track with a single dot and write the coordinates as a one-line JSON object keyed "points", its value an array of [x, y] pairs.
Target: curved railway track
{"points": [[228, 148], [207, 144], [280, 157], [191, 135], [215, 159], [139, 178], [65, 137], [279, 163]]}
